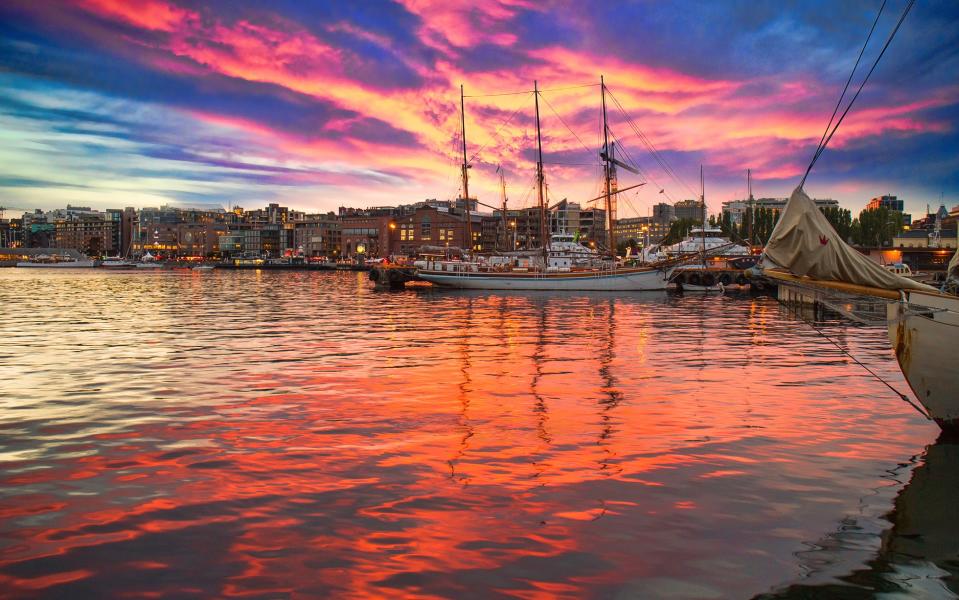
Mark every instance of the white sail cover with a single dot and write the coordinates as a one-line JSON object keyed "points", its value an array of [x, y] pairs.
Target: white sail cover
{"points": [[953, 270], [805, 243]]}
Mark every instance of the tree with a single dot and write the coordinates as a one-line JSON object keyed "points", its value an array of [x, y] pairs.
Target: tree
{"points": [[622, 245], [678, 230], [877, 227], [840, 219]]}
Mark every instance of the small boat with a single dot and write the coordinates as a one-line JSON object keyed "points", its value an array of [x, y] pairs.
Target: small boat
{"points": [[57, 261], [148, 261], [203, 268], [116, 262]]}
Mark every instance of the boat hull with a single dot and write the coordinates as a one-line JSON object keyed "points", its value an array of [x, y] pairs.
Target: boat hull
{"points": [[926, 348], [644, 280]]}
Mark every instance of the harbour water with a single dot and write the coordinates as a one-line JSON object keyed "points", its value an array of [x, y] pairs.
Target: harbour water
{"points": [[297, 434]]}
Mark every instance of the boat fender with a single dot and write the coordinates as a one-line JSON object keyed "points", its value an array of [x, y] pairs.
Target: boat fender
{"points": [[709, 280], [725, 279], [693, 278]]}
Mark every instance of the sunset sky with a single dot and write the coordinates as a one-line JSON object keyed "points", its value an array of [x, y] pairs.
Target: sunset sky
{"points": [[112, 103]]}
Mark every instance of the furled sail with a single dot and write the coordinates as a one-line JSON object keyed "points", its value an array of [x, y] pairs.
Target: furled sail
{"points": [[805, 243], [953, 270]]}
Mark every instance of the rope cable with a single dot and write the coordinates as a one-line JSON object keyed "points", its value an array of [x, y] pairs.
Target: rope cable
{"points": [[496, 133], [868, 370], [822, 149], [563, 121], [849, 80]]}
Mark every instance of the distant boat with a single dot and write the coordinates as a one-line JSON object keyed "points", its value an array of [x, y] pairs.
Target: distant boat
{"points": [[203, 268], [148, 261], [711, 241], [116, 262], [57, 261]]}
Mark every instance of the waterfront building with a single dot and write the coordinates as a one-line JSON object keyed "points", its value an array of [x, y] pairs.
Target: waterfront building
{"points": [[523, 224], [318, 235], [232, 243], [664, 212], [11, 233], [86, 231], [644, 230], [891, 203], [926, 238], [735, 209], [439, 227], [365, 234], [690, 209]]}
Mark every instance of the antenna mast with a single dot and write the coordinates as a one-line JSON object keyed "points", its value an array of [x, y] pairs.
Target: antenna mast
{"points": [[749, 190], [466, 178]]}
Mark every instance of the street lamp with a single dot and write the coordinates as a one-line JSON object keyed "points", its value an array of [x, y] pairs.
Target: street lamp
{"points": [[389, 238]]}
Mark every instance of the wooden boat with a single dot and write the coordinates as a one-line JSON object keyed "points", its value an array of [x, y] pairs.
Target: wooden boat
{"points": [[805, 253], [555, 268]]}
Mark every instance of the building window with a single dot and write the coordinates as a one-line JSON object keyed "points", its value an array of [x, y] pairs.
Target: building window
{"points": [[426, 230], [446, 235], [406, 232]]}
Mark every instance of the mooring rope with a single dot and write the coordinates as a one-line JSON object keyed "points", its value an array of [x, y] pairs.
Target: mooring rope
{"points": [[868, 370]]}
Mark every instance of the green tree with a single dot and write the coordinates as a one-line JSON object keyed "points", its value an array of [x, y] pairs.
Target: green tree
{"points": [[877, 227], [622, 245], [678, 230], [840, 219]]}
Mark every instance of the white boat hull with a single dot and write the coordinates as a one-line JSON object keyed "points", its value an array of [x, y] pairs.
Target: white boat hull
{"points": [[927, 348], [77, 264], [627, 280]]}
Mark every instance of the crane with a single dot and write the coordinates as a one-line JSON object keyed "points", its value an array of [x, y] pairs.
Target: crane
{"points": [[3, 209]]}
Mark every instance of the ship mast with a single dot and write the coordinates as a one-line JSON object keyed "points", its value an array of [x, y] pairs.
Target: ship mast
{"points": [[749, 189], [607, 176], [466, 179], [539, 180], [702, 198], [502, 182]]}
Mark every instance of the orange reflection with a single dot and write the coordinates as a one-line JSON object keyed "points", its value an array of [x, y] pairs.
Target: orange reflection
{"points": [[341, 442]]}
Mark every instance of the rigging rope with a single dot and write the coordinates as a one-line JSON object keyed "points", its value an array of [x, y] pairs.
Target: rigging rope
{"points": [[822, 146], [569, 128], [663, 163], [496, 133], [848, 81], [868, 370], [559, 89]]}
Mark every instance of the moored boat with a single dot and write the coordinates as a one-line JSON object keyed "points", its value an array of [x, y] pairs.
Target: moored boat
{"points": [[117, 262], [57, 261], [804, 251], [562, 263]]}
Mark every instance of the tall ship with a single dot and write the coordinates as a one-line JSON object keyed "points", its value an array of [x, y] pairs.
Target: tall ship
{"points": [[562, 263]]}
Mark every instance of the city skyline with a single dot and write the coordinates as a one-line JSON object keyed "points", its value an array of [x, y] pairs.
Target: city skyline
{"points": [[217, 104]]}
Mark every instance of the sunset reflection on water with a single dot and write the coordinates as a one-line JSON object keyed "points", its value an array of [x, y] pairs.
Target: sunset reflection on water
{"points": [[270, 434]]}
